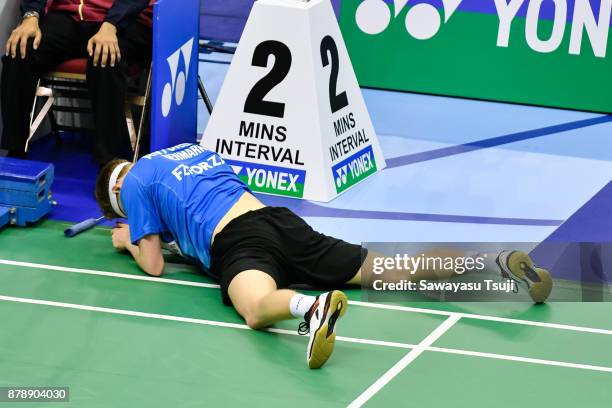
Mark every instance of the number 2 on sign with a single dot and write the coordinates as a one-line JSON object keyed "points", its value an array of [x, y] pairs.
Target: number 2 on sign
{"points": [[255, 102], [282, 63], [336, 101]]}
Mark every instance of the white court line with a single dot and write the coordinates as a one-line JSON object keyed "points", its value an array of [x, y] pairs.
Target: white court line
{"points": [[404, 362], [521, 359], [111, 274], [348, 339], [483, 317], [184, 319], [293, 333], [352, 302]]}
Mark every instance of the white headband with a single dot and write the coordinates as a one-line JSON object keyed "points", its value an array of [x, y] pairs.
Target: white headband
{"points": [[111, 195]]}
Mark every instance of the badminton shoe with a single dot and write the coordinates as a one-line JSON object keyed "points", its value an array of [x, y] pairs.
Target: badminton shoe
{"points": [[320, 321], [520, 268]]}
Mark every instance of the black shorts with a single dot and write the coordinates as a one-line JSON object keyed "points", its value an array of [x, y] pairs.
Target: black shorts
{"points": [[276, 241]]}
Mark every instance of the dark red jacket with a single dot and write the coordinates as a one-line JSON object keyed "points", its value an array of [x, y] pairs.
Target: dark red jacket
{"points": [[117, 12]]}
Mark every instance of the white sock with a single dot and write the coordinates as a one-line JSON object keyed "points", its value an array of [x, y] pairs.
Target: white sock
{"points": [[301, 304]]}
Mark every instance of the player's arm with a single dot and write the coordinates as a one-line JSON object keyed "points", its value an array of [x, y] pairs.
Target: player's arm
{"points": [[148, 252]]}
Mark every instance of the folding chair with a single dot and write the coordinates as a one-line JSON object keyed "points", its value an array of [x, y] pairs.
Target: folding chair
{"points": [[68, 80]]}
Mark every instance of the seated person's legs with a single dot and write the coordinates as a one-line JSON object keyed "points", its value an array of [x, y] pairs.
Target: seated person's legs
{"points": [[59, 40], [107, 74]]}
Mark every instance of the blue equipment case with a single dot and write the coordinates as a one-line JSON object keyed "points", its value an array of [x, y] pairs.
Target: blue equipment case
{"points": [[25, 195]]}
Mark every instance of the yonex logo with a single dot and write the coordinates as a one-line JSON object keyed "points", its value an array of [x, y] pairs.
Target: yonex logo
{"points": [[423, 21], [353, 169], [341, 174], [271, 180], [178, 79], [265, 178]]}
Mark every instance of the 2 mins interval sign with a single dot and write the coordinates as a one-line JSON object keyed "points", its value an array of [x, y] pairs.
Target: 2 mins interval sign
{"points": [[290, 118]]}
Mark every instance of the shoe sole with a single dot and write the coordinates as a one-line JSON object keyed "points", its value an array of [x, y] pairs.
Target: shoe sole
{"points": [[325, 336], [520, 263]]}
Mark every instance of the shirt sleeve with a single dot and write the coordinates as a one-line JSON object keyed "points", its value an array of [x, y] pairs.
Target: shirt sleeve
{"points": [[33, 5], [123, 11], [143, 217]]}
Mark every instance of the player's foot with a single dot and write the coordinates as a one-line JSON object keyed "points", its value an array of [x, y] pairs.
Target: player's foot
{"points": [[519, 267], [320, 322]]}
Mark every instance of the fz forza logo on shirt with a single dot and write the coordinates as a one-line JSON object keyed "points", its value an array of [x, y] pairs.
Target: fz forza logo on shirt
{"points": [[182, 170]]}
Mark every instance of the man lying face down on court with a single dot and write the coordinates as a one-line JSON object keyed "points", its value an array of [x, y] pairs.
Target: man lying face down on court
{"points": [[188, 200]]}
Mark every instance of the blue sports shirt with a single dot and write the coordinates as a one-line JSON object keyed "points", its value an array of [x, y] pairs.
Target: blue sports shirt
{"points": [[180, 193]]}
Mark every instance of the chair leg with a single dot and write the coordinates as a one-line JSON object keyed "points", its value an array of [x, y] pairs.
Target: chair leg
{"points": [[35, 122], [143, 116], [129, 118]]}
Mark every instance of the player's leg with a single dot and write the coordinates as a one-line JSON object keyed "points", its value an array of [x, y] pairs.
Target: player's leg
{"points": [[421, 272], [256, 298], [329, 262], [515, 265]]}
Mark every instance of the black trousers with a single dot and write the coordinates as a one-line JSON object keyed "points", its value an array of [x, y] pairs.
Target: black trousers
{"points": [[64, 38]]}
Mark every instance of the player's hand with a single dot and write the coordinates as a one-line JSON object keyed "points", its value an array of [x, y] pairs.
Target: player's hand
{"points": [[18, 41], [104, 46], [121, 236]]}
